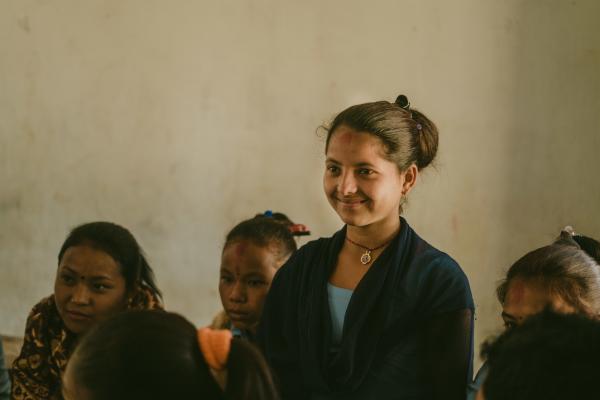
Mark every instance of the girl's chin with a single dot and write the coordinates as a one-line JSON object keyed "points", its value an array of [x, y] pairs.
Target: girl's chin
{"points": [[363, 219], [353, 220], [245, 327], [77, 328]]}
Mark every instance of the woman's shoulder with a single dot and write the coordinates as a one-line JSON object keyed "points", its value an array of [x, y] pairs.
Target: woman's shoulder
{"points": [[431, 260], [43, 311], [314, 246], [44, 353], [307, 251], [305, 256], [43, 321], [440, 279], [303, 266], [440, 263]]}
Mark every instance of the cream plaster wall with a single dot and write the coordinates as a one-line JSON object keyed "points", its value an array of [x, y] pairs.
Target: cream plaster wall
{"points": [[179, 118]]}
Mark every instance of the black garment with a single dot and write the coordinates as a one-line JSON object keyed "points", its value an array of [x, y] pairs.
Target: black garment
{"points": [[407, 331], [4, 379]]}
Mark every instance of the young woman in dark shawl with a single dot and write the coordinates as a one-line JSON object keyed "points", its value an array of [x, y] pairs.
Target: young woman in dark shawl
{"points": [[101, 272], [373, 312]]}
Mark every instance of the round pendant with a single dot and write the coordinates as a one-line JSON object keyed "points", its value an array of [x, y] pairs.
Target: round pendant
{"points": [[365, 258]]}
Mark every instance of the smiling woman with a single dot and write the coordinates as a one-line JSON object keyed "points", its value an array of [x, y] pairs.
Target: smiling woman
{"points": [[101, 272], [373, 311]]}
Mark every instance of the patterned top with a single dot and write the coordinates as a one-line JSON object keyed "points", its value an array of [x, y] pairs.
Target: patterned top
{"points": [[47, 346]]}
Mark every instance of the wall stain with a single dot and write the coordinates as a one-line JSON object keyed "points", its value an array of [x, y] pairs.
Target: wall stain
{"points": [[24, 24], [509, 25], [10, 203], [454, 224]]}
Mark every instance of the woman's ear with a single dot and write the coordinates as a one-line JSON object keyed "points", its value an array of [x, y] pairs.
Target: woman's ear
{"points": [[131, 294], [409, 178]]}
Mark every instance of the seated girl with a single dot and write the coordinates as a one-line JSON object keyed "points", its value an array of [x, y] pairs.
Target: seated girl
{"points": [[551, 356], [159, 355], [562, 277], [254, 250], [101, 272]]}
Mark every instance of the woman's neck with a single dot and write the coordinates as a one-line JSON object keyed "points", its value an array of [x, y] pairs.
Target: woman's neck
{"points": [[375, 234]]}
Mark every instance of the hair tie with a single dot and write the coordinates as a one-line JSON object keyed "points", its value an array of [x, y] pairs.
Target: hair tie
{"points": [[569, 229], [268, 213], [419, 127], [215, 345], [299, 230], [403, 102]]}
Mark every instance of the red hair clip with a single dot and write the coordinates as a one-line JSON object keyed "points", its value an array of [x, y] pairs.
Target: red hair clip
{"points": [[299, 230]]}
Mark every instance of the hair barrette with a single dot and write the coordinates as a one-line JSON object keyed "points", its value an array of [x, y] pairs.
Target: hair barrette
{"points": [[299, 230]]}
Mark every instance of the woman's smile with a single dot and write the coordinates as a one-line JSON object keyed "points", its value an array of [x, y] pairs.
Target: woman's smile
{"points": [[351, 203], [361, 184]]}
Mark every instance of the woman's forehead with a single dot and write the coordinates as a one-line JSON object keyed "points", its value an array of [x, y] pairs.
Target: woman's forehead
{"points": [[356, 148], [87, 260]]}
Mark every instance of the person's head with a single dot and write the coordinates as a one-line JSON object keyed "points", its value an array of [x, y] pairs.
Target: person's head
{"points": [[550, 356], [253, 251], [374, 152], [100, 267], [160, 355], [560, 276]]}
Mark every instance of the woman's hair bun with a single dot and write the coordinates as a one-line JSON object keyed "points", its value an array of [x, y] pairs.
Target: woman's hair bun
{"points": [[403, 102]]}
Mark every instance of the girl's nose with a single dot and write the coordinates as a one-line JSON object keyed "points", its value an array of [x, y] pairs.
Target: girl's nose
{"points": [[238, 293], [347, 184], [81, 294]]}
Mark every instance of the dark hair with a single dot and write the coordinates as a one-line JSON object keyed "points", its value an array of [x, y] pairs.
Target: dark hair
{"points": [[408, 136], [550, 356], [563, 269], [265, 230], [155, 355], [589, 245], [118, 243]]}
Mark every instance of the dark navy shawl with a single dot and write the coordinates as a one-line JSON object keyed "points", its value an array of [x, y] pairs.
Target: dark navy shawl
{"points": [[382, 353]]}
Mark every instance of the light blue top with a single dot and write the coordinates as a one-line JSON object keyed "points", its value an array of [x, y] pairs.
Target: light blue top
{"points": [[339, 298], [474, 387]]}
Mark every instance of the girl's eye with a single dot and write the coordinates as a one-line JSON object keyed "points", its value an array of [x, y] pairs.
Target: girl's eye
{"points": [[68, 279], [333, 169], [255, 283], [365, 171], [100, 287]]}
